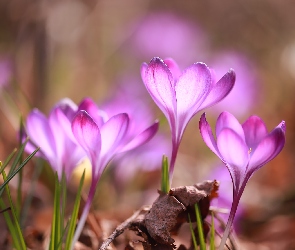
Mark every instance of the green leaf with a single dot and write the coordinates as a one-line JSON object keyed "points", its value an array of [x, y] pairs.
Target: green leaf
{"points": [[16, 227], [10, 226], [4, 165], [20, 177], [74, 215], [63, 199], [56, 223], [200, 228], [10, 176], [192, 233], [165, 186], [18, 157]]}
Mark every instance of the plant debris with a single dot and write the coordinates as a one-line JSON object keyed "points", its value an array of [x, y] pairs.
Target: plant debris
{"points": [[155, 224]]}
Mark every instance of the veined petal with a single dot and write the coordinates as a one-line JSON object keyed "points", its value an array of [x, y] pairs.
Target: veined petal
{"points": [[92, 109], [142, 138], [112, 135], [234, 151], [173, 67], [160, 84], [192, 88], [255, 130], [207, 135], [220, 89], [227, 120], [40, 133], [233, 148], [268, 148], [87, 134]]}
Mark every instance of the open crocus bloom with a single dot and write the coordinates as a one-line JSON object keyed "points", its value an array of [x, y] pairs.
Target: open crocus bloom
{"points": [[244, 149], [57, 145], [181, 95], [102, 142]]}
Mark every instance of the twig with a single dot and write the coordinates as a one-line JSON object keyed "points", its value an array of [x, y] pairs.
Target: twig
{"points": [[5, 209], [120, 229]]}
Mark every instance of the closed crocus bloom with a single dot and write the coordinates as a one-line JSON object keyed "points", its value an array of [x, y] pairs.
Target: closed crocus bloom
{"points": [[101, 143], [243, 149], [180, 95], [54, 137]]}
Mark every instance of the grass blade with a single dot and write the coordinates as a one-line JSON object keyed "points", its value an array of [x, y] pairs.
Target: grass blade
{"points": [[17, 228], [192, 233], [63, 200], [74, 215], [10, 176], [10, 226], [165, 186], [18, 157], [200, 228], [4, 165], [55, 226], [20, 176]]}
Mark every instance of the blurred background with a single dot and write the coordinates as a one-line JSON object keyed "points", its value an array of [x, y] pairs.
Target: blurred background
{"points": [[55, 49]]}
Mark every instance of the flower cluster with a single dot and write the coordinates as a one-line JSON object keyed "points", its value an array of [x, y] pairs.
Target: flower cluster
{"points": [[73, 132], [243, 148]]}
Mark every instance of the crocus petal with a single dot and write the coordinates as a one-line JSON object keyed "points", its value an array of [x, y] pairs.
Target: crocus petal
{"points": [[159, 83], [112, 133], [268, 148], [220, 89], [59, 136], [192, 87], [142, 138], [207, 135], [173, 67], [72, 158], [233, 148], [40, 133], [227, 120], [62, 124], [235, 154], [68, 107], [255, 130], [92, 109], [87, 134]]}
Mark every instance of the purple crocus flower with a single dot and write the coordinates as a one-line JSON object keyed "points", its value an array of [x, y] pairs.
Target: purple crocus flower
{"points": [[243, 149], [102, 141], [181, 95], [54, 137]]}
